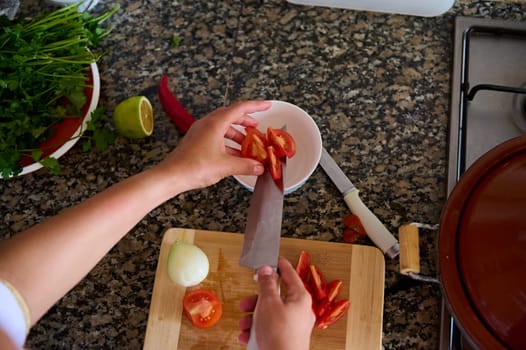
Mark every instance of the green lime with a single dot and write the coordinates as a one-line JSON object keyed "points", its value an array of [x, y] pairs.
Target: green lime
{"points": [[133, 117]]}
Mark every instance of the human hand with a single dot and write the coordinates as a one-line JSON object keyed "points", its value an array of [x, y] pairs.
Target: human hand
{"points": [[202, 158], [281, 323]]}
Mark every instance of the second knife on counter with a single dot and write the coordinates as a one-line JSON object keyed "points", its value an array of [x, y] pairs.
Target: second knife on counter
{"points": [[375, 229]]}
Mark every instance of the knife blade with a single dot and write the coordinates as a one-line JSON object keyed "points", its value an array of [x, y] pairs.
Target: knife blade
{"points": [[263, 230], [376, 231]]}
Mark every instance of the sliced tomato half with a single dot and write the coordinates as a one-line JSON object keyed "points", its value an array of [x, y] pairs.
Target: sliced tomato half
{"points": [[202, 308], [283, 141], [333, 314]]}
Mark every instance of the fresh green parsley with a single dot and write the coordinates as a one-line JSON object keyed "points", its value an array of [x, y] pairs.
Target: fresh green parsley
{"points": [[44, 65]]}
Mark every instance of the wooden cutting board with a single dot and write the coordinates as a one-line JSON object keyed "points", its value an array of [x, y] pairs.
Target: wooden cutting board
{"points": [[360, 268]]}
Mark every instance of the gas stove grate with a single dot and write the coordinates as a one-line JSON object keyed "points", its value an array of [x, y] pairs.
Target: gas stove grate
{"points": [[468, 93]]}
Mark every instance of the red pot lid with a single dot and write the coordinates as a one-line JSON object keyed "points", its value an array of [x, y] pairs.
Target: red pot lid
{"points": [[482, 248]]}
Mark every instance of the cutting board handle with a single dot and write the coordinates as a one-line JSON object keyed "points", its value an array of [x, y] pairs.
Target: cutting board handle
{"points": [[409, 249]]}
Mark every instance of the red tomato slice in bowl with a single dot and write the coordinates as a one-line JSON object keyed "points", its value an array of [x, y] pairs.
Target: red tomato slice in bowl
{"points": [[274, 163], [255, 147], [202, 308], [253, 130], [283, 141]]}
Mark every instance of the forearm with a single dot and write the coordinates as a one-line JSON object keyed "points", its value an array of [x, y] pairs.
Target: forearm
{"points": [[46, 261], [49, 259]]}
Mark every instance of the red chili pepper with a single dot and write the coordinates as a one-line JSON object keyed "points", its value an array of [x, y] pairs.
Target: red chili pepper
{"points": [[175, 110]]}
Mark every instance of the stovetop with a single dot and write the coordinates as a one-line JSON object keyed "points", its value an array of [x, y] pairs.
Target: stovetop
{"points": [[488, 106]]}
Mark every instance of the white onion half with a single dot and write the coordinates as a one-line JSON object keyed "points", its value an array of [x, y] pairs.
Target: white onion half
{"points": [[187, 264]]}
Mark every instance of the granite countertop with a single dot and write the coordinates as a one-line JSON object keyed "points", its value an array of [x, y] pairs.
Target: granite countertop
{"points": [[377, 85]]}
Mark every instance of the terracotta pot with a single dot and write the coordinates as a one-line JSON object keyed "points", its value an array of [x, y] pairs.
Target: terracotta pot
{"points": [[482, 249]]}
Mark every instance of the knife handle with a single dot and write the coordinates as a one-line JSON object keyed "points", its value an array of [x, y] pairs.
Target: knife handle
{"points": [[376, 231], [252, 344]]}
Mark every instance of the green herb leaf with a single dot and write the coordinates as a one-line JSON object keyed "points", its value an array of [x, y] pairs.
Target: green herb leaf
{"points": [[9, 164], [101, 135], [86, 146], [51, 164], [176, 41], [36, 154]]}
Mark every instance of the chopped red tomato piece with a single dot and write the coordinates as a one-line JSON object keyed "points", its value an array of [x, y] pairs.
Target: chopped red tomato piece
{"points": [[333, 290], [318, 282], [274, 163], [268, 149], [333, 314], [253, 146], [350, 235], [302, 267], [283, 141], [353, 222], [202, 308], [324, 304], [321, 308], [353, 228], [260, 134], [314, 303], [303, 271]]}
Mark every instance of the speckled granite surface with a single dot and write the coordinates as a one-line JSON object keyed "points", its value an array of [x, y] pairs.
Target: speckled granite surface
{"points": [[376, 84]]}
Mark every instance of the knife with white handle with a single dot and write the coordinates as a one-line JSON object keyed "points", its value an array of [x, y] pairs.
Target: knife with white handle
{"points": [[376, 231]]}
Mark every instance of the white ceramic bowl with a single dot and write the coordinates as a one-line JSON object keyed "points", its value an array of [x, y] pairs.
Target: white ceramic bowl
{"points": [[86, 4], [74, 138], [308, 143]]}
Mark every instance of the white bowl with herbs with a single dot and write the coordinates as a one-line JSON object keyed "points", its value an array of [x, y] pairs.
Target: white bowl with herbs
{"points": [[49, 88]]}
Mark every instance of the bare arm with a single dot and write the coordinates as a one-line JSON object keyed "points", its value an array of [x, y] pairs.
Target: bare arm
{"points": [[47, 260]]}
